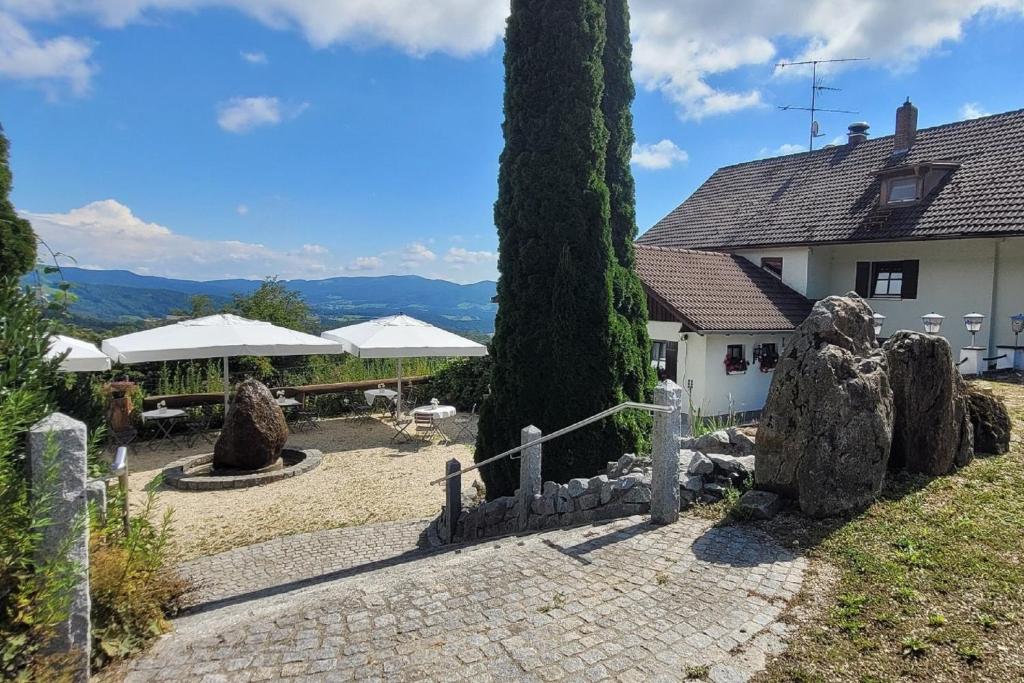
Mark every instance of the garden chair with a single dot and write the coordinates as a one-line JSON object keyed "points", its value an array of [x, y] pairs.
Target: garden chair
{"points": [[357, 407], [198, 426], [466, 424], [427, 426], [307, 416]]}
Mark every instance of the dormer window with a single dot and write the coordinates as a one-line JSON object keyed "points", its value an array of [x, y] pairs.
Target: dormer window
{"points": [[902, 190]]}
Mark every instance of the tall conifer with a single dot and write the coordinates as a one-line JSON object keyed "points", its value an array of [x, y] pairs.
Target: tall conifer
{"points": [[17, 241], [555, 360]]}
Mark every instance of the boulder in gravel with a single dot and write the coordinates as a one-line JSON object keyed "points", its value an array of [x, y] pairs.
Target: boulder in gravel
{"points": [[254, 430], [931, 428], [990, 420], [759, 504], [827, 424]]}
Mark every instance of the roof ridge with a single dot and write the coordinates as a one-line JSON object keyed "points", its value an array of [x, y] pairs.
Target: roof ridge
{"points": [[682, 250], [874, 140]]}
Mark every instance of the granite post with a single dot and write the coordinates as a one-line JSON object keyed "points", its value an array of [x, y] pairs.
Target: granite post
{"points": [[529, 473], [452, 499], [57, 447], [665, 453]]}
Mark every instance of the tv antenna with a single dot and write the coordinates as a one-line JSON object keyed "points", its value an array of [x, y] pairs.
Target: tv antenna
{"points": [[817, 87]]}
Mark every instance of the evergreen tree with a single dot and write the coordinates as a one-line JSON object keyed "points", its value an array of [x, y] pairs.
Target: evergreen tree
{"points": [[553, 347], [631, 343], [17, 241]]}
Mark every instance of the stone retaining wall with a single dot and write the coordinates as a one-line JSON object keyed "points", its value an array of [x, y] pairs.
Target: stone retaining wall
{"points": [[579, 501]]}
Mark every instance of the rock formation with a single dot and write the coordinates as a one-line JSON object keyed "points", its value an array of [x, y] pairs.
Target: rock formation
{"points": [[827, 424], [932, 429], [990, 420], [254, 431]]}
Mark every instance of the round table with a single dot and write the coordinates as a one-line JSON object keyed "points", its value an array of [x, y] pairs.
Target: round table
{"points": [[164, 419], [437, 412], [287, 402], [372, 395], [163, 414]]}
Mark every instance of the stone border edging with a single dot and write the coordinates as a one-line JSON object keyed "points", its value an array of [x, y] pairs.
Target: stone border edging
{"points": [[176, 475]]}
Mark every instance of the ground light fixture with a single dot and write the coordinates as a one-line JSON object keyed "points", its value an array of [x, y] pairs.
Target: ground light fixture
{"points": [[932, 322], [973, 321], [879, 321], [1017, 325]]}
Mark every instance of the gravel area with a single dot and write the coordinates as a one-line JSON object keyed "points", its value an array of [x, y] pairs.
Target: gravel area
{"points": [[364, 478]]}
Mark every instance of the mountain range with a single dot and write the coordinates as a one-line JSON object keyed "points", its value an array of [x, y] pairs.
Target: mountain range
{"points": [[120, 296]]}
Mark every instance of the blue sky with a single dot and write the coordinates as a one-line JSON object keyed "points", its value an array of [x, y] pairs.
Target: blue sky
{"points": [[242, 138]]}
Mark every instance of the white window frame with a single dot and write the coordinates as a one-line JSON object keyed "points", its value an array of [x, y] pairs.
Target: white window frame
{"points": [[905, 182]]}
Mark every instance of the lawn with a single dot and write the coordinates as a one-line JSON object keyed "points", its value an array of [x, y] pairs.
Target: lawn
{"points": [[927, 584]]}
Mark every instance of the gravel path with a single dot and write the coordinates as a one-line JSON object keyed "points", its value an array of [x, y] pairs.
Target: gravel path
{"points": [[623, 600], [364, 478]]}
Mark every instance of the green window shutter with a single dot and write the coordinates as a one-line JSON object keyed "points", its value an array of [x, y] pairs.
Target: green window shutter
{"points": [[910, 269], [863, 286]]}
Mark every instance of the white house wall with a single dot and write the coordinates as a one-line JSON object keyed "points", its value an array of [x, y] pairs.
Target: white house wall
{"points": [[740, 393], [955, 277], [795, 266]]}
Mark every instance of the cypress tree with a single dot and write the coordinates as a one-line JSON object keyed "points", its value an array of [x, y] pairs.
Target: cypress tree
{"points": [[631, 343], [17, 241], [553, 348]]}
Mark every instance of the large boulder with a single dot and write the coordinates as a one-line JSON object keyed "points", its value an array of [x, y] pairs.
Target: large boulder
{"points": [[827, 424], [254, 430], [932, 431], [990, 420]]}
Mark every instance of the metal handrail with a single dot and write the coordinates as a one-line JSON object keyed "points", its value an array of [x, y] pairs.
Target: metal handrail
{"points": [[650, 407]]}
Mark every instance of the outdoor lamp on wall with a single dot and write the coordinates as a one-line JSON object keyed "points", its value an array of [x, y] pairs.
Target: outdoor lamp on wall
{"points": [[932, 322], [973, 323], [1017, 325], [879, 321]]}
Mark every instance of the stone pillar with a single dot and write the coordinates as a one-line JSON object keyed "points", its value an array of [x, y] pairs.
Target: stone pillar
{"points": [[665, 454], [452, 499], [57, 458], [529, 473]]}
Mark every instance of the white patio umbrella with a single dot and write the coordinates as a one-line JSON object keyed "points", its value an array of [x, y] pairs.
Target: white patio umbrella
{"points": [[399, 336], [215, 336], [82, 356]]}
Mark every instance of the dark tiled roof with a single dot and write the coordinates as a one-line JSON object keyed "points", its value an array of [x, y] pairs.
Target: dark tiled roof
{"points": [[831, 194], [719, 292]]}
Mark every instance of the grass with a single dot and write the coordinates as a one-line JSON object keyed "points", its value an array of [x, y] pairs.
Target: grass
{"points": [[927, 584]]}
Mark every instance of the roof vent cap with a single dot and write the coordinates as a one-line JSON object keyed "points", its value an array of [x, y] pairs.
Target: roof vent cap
{"points": [[857, 132]]}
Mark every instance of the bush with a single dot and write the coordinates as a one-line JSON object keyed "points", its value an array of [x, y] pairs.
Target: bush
{"points": [[461, 382], [132, 589]]}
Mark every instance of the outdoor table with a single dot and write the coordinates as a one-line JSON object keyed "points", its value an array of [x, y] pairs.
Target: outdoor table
{"points": [[164, 418], [372, 395], [437, 413], [287, 402]]}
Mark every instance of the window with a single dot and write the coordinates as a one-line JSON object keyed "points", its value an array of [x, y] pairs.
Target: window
{"points": [[735, 361], [902, 190], [767, 356], [663, 359], [887, 279], [773, 264]]}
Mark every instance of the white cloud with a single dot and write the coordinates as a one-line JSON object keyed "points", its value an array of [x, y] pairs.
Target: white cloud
{"points": [[365, 263], [254, 57], [242, 210], [972, 110], [243, 114], [682, 48], [314, 249], [461, 256], [107, 234], [60, 60], [416, 254], [659, 155], [781, 150]]}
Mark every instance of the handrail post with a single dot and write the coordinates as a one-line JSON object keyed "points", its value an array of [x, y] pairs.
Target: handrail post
{"points": [[452, 499], [529, 473], [665, 454]]}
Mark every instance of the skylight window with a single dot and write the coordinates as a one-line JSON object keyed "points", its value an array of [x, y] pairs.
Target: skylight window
{"points": [[902, 190]]}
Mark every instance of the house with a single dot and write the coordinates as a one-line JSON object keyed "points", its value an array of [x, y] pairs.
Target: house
{"points": [[917, 222]]}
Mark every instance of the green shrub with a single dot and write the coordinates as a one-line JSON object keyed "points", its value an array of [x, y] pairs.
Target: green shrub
{"points": [[461, 382]]}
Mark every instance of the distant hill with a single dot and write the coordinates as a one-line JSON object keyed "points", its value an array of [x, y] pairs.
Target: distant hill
{"points": [[120, 296]]}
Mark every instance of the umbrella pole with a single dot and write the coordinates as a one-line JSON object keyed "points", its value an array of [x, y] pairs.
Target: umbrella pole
{"points": [[399, 389], [227, 387]]}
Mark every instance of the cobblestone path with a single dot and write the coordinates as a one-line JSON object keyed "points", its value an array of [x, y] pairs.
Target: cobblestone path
{"points": [[622, 600]]}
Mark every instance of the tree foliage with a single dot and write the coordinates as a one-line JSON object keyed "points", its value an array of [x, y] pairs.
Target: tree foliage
{"points": [[555, 360], [17, 241], [274, 303]]}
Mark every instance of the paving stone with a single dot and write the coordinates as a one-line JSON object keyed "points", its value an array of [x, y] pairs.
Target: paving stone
{"points": [[376, 603]]}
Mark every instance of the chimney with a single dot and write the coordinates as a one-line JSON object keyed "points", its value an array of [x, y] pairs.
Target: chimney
{"points": [[858, 132], [906, 128]]}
